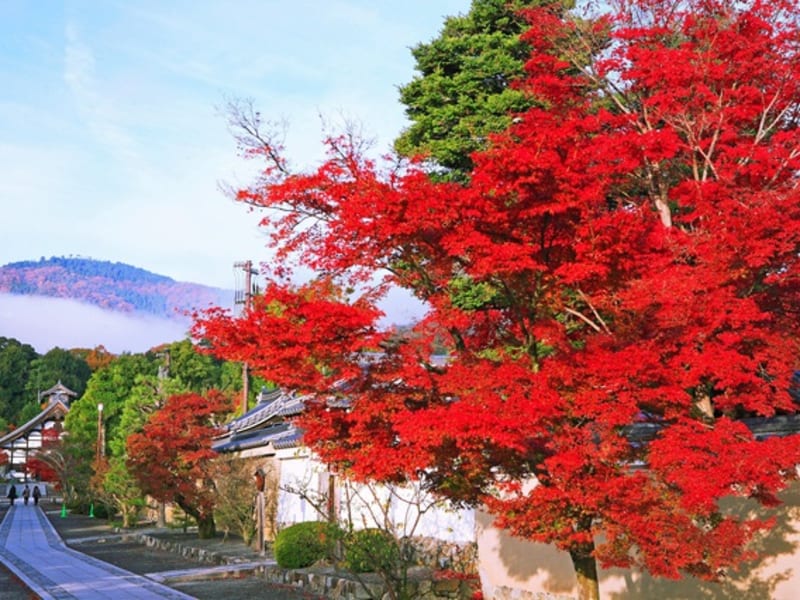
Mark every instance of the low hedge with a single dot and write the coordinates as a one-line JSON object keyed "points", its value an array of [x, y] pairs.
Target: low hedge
{"points": [[302, 544], [371, 550]]}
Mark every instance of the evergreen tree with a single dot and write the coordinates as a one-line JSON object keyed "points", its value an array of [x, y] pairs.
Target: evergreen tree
{"points": [[464, 90], [15, 364]]}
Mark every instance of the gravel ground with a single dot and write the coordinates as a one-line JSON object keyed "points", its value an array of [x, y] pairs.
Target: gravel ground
{"points": [[142, 560]]}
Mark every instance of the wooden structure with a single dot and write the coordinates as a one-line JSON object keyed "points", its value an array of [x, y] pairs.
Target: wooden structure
{"points": [[26, 439]]}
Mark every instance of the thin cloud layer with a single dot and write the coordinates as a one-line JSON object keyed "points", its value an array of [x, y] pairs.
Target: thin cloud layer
{"points": [[46, 323], [110, 132]]}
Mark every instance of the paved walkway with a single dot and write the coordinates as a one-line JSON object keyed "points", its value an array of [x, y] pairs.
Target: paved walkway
{"points": [[32, 549]]}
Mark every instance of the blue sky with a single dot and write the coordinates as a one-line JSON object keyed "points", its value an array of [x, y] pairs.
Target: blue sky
{"points": [[111, 145]]}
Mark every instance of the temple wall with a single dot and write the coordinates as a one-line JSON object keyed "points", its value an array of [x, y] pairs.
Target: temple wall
{"points": [[512, 568], [298, 471]]}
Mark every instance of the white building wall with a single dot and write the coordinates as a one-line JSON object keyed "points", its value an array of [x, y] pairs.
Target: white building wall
{"points": [[299, 487], [35, 440], [365, 506], [513, 568]]}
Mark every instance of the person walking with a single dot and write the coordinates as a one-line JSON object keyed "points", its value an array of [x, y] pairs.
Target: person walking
{"points": [[12, 494], [26, 493], [36, 495]]}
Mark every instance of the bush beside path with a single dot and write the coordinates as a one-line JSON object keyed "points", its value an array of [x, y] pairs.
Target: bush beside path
{"points": [[100, 539]]}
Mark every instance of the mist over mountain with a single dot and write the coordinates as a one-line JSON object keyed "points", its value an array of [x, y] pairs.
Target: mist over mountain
{"points": [[74, 302], [110, 285], [83, 303], [47, 323]]}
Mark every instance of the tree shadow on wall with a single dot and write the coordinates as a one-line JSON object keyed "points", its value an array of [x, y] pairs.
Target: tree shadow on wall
{"points": [[754, 580], [550, 570], [524, 561]]}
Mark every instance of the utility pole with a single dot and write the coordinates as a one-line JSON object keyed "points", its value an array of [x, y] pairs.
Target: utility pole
{"points": [[244, 296], [163, 374]]}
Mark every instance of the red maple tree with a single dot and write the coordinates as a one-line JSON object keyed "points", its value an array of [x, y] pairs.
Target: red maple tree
{"points": [[171, 458], [42, 465], [617, 285]]}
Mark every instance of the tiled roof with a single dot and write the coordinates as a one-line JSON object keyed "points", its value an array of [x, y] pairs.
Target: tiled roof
{"points": [[780, 426], [58, 388], [55, 409], [267, 423], [280, 436], [272, 405], [761, 427]]}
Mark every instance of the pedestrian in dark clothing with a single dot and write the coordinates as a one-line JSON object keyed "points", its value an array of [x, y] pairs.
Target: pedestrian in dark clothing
{"points": [[12, 494], [36, 495], [26, 493]]}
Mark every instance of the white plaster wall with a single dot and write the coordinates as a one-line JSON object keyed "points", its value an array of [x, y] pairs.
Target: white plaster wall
{"points": [[35, 439], [299, 471], [414, 513], [507, 563]]}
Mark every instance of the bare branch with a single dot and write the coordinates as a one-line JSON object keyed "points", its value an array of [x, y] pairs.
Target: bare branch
{"points": [[584, 318], [594, 311], [254, 134]]}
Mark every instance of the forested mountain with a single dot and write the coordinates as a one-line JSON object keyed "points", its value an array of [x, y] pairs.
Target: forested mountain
{"points": [[111, 285]]}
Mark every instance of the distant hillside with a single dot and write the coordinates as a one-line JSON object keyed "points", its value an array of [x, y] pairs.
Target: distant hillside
{"points": [[109, 285]]}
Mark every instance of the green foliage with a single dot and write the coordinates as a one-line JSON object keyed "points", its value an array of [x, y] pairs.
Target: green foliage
{"points": [[54, 366], [468, 294], [235, 493], [28, 411], [198, 372], [87, 506], [131, 388], [24, 374], [121, 490], [111, 386], [145, 398], [371, 550], [302, 544], [15, 361], [464, 92], [230, 377]]}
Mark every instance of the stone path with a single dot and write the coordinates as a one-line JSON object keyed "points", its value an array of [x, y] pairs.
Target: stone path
{"points": [[31, 548]]}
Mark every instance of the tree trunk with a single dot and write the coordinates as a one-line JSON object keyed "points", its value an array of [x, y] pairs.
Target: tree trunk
{"points": [[161, 518], [206, 527], [586, 571], [705, 407], [128, 514]]}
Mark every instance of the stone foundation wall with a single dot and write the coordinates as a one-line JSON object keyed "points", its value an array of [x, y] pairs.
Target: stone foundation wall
{"points": [[341, 586], [507, 593], [437, 554], [333, 583]]}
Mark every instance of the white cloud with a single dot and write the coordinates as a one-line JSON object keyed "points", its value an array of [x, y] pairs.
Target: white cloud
{"points": [[120, 159], [46, 323], [96, 109]]}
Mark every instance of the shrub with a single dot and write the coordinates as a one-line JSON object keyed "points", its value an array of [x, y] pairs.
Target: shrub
{"points": [[302, 544], [369, 550], [233, 510], [98, 509]]}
